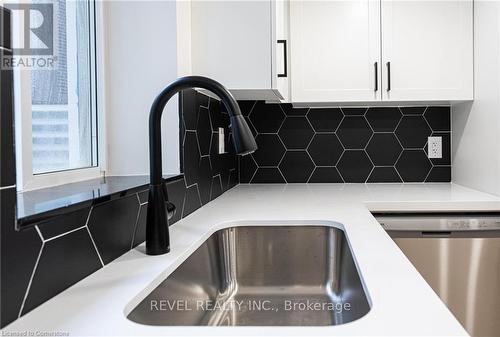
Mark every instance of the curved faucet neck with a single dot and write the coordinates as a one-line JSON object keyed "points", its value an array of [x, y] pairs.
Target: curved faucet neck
{"points": [[155, 153]]}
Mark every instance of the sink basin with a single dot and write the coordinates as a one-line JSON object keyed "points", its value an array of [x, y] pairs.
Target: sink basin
{"points": [[261, 276]]}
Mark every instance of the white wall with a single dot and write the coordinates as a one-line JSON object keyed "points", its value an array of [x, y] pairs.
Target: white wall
{"points": [[184, 66], [476, 126], [141, 59]]}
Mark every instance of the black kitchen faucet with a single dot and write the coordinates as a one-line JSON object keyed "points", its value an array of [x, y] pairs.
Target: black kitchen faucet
{"points": [[159, 209]]}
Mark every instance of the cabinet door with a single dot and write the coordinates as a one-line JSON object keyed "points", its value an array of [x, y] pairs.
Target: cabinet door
{"points": [[231, 43], [281, 52], [428, 47], [335, 50]]}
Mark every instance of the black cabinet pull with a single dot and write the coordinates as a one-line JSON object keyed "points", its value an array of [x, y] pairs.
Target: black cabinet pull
{"points": [[284, 74], [375, 65], [388, 76]]}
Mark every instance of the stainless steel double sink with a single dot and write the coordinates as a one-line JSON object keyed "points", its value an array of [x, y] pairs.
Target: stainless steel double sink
{"points": [[261, 276]]}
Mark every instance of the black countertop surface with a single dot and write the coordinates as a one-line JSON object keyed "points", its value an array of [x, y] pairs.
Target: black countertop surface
{"points": [[38, 205]]}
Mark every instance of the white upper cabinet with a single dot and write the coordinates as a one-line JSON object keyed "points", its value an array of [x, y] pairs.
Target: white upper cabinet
{"points": [[282, 48], [428, 46], [335, 49], [373, 50], [236, 43]]}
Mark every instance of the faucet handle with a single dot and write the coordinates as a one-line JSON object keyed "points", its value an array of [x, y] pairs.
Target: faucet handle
{"points": [[171, 209]]}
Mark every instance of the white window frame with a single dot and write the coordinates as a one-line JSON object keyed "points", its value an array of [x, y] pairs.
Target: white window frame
{"points": [[26, 180]]}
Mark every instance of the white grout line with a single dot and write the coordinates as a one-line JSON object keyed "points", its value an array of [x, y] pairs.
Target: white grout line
{"points": [[39, 233], [283, 123], [251, 109], [312, 172], [368, 143], [427, 176], [220, 181], [31, 278], [136, 221], [256, 169], [91, 238], [193, 184], [371, 172], [282, 175], [210, 99], [428, 124], [340, 157], [183, 204], [88, 215], [369, 125], [341, 121], [198, 143], [340, 175], [239, 169], [64, 234], [95, 246], [199, 193], [397, 172], [211, 184], [229, 177]]}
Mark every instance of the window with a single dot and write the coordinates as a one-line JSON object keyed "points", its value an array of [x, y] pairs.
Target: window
{"points": [[57, 108]]}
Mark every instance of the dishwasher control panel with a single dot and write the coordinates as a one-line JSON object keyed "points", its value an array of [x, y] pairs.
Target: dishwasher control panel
{"points": [[473, 224], [438, 222]]}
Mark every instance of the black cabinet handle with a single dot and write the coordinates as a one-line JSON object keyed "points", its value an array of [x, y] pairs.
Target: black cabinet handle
{"points": [[375, 65], [284, 74], [388, 64]]}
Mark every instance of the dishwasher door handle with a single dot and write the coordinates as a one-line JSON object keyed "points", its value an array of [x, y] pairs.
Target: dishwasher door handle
{"points": [[436, 234]]}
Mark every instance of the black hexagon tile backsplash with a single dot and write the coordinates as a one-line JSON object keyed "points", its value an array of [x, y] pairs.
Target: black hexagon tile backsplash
{"points": [[384, 174], [290, 110], [204, 131], [296, 145], [346, 144], [413, 131], [62, 263], [270, 150], [296, 166], [267, 118], [325, 175], [325, 149], [62, 250], [436, 116], [296, 133], [383, 119], [265, 175], [325, 119], [355, 166], [413, 165], [354, 132], [384, 149], [112, 225]]}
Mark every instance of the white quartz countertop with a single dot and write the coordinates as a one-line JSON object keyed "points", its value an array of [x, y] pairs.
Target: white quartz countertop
{"points": [[402, 304]]}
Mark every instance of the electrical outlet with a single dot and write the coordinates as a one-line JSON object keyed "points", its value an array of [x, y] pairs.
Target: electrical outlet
{"points": [[222, 148], [435, 147]]}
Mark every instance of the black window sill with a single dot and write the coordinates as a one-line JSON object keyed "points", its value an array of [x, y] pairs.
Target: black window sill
{"points": [[40, 205]]}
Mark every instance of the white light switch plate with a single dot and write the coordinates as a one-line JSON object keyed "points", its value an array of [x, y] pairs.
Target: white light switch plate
{"points": [[435, 147], [221, 141]]}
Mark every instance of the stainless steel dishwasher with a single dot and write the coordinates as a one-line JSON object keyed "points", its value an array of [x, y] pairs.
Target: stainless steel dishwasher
{"points": [[459, 256]]}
